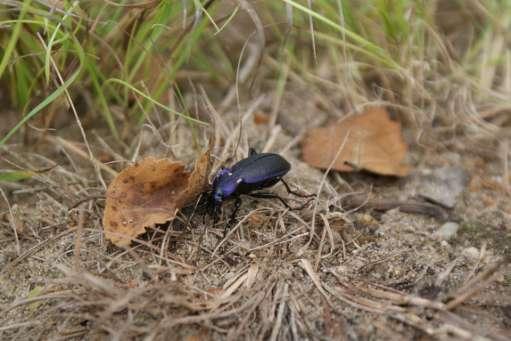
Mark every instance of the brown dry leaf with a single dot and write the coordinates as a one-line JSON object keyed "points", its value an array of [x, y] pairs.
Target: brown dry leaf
{"points": [[149, 193], [369, 141], [198, 178], [201, 335], [261, 118]]}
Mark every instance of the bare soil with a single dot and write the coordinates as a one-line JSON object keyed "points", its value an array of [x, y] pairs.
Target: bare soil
{"points": [[326, 272]]}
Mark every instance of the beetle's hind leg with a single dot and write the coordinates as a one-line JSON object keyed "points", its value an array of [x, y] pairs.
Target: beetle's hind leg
{"points": [[290, 191], [274, 196]]}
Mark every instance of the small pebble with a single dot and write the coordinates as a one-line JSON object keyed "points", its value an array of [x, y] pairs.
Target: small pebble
{"points": [[471, 253], [443, 185], [447, 231]]}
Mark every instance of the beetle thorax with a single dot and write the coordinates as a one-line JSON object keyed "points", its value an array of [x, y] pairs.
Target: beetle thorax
{"points": [[224, 185]]}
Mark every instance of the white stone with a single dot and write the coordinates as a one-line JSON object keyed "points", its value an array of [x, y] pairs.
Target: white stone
{"points": [[471, 253], [447, 231]]}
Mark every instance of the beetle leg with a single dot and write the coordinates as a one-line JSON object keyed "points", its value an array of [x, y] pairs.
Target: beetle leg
{"points": [[215, 213], [251, 151], [237, 205], [204, 216], [197, 203], [274, 196], [304, 204], [290, 191]]}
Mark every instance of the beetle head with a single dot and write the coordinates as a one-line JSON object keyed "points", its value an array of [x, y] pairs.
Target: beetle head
{"points": [[218, 196], [224, 185]]}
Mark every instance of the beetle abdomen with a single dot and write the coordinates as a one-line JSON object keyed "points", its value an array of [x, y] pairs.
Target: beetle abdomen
{"points": [[260, 168]]}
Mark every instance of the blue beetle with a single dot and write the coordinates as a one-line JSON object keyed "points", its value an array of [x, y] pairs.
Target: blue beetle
{"points": [[257, 171]]}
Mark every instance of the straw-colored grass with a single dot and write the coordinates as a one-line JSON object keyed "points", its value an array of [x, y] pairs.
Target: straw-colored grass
{"points": [[87, 87]]}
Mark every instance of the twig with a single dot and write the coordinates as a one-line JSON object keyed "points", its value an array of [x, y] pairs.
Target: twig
{"points": [[71, 147], [414, 207], [75, 113], [318, 193], [12, 220], [307, 266], [282, 298], [34, 249], [78, 238], [475, 285], [88, 198], [25, 301], [507, 176], [19, 325]]}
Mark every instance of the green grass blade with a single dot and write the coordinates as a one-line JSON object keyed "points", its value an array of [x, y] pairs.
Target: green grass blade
{"points": [[53, 41], [153, 101], [107, 114], [368, 47], [54, 95], [15, 176], [14, 38]]}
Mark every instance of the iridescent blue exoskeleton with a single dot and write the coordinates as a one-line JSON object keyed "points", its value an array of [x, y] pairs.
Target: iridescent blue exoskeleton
{"points": [[256, 172]]}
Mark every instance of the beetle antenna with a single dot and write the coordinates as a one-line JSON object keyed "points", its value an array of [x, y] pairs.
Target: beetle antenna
{"points": [[239, 135]]}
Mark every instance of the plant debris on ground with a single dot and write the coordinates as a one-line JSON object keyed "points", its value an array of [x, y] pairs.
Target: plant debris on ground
{"points": [[369, 141], [148, 193], [396, 114]]}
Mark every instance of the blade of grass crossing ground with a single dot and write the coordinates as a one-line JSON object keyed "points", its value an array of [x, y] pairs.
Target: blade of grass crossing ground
{"points": [[149, 33], [52, 41], [14, 176], [14, 37], [180, 55], [54, 95], [20, 83], [368, 48], [152, 100], [107, 114], [393, 16]]}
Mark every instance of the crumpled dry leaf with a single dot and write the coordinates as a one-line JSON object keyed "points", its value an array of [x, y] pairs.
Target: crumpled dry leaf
{"points": [[369, 141], [149, 193], [198, 178]]}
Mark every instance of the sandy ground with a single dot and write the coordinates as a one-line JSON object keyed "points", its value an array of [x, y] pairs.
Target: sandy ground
{"points": [[366, 273]]}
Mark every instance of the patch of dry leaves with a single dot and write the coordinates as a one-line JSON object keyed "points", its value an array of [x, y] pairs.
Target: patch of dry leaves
{"points": [[370, 141], [148, 193]]}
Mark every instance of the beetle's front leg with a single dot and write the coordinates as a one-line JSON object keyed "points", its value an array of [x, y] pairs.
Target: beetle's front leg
{"points": [[216, 214], [197, 204], [232, 219]]}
